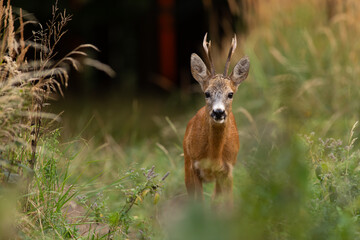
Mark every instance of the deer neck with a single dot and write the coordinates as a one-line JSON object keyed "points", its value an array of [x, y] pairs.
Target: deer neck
{"points": [[217, 133]]}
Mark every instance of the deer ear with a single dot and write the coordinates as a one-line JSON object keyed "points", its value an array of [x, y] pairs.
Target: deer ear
{"points": [[240, 71], [199, 70]]}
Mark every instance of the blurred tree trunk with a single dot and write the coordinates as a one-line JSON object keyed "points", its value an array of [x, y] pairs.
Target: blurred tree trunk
{"points": [[167, 44], [227, 17]]}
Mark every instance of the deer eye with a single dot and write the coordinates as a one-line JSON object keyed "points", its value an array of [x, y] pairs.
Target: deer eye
{"points": [[230, 95], [207, 94]]}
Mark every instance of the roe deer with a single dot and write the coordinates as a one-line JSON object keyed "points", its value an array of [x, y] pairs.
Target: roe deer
{"points": [[211, 140]]}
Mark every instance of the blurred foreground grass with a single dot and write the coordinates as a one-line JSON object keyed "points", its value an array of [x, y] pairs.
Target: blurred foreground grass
{"points": [[297, 175]]}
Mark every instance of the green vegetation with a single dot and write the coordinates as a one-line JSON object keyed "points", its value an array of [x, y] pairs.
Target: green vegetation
{"points": [[298, 171]]}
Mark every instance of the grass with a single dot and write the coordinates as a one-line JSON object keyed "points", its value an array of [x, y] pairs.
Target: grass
{"points": [[297, 175]]}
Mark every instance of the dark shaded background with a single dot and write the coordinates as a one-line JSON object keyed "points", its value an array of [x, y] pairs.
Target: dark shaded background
{"points": [[147, 42]]}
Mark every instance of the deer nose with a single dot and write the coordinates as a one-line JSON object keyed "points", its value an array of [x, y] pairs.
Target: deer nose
{"points": [[219, 113]]}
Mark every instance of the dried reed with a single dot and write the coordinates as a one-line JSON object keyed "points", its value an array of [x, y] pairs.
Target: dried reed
{"points": [[27, 84]]}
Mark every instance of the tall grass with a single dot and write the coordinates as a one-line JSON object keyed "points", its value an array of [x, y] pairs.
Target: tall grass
{"points": [[28, 84], [309, 62]]}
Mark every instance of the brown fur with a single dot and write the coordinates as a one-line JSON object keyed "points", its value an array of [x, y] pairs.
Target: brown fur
{"points": [[215, 147], [211, 141]]}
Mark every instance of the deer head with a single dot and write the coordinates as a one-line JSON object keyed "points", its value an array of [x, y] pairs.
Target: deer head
{"points": [[219, 88]]}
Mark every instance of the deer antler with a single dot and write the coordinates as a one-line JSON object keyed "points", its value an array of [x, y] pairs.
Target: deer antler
{"points": [[207, 47], [231, 52]]}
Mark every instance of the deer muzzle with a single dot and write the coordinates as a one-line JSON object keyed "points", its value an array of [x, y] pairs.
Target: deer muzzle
{"points": [[218, 114]]}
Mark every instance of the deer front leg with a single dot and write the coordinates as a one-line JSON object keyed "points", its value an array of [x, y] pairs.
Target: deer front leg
{"points": [[192, 181], [224, 190], [198, 185], [189, 178]]}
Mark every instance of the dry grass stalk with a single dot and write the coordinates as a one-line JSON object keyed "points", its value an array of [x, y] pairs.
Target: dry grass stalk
{"points": [[26, 85]]}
